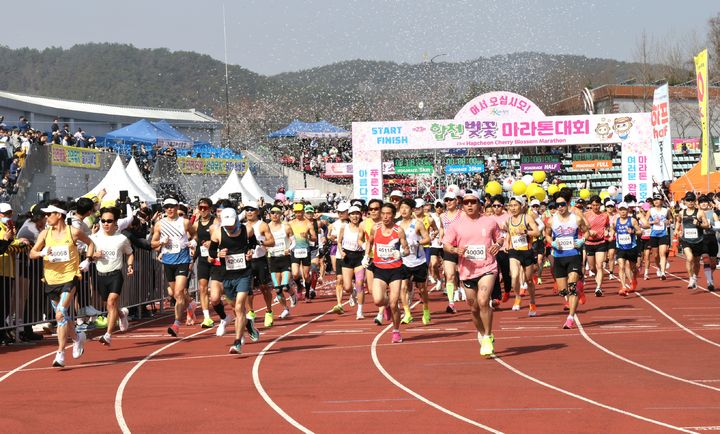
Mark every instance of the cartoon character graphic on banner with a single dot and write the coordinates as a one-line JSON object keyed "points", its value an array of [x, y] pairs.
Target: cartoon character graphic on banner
{"points": [[603, 130], [622, 127]]}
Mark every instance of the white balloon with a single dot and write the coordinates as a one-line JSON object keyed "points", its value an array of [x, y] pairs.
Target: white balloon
{"points": [[507, 183], [612, 190], [527, 179]]}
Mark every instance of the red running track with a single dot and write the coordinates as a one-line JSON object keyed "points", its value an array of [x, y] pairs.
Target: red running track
{"points": [[643, 363]]}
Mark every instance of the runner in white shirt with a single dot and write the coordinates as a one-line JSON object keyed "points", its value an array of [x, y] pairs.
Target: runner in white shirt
{"points": [[415, 263], [111, 247]]}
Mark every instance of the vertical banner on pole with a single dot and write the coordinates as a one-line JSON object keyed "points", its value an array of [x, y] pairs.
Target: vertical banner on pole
{"points": [[701, 70], [367, 171], [636, 151], [661, 168]]}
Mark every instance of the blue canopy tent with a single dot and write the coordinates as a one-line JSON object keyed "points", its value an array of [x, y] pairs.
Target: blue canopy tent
{"points": [[145, 132], [300, 129]]}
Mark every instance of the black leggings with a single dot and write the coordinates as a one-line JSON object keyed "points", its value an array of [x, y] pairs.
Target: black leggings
{"points": [[503, 260]]}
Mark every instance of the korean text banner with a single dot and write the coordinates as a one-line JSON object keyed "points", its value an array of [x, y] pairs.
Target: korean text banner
{"points": [[494, 132], [213, 166], [661, 143], [701, 71], [637, 160], [75, 157]]}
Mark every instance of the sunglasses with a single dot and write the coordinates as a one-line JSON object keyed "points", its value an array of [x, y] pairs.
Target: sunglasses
{"points": [[275, 212], [497, 205], [169, 206], [108, 221], [560, 203], [448, 200], [375, 208], [470, 202], [203, 208]]}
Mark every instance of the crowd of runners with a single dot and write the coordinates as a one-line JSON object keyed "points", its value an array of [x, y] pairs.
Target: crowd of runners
{"points": [[476, 248]]}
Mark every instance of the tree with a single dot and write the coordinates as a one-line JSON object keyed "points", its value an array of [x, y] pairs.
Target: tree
{"points": [[714, 45]]}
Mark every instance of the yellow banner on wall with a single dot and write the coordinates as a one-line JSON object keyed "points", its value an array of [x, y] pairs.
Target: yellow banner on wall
{"points": [[211, 166], [75, 157], [701, 71]]}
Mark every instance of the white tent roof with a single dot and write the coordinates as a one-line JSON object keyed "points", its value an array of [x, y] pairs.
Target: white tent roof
{"points": [[249, 182], [133, 171], [117, 179], [232, 185]]}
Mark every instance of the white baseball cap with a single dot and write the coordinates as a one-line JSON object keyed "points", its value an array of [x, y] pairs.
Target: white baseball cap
{"points": [[5, 207], [623, 205], [610, 203], [470, 193], [450, 195], [354, 209], [251, 204], [53, 208], [170, 201], [343, 206], [396, 193], [534, 202], [419, 203], [228, 217]]}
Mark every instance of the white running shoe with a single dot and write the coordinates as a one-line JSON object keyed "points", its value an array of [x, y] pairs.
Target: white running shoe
{"points": [[285, 313], [456, 297], [432, 280], [359, 315], [221, 327], [124, 319], [79, 345], [463, 295], [106, 339], [293, 299], [59, 361]]}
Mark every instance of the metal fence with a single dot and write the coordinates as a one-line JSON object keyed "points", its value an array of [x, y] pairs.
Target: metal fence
{"points": [[23, 301]]}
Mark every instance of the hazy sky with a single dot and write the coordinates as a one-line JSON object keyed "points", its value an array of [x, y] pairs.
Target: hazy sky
{"points": [[272, 36]]}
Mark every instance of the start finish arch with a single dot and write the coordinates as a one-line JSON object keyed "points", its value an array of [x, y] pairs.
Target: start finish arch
{"points": [[505, 120]]}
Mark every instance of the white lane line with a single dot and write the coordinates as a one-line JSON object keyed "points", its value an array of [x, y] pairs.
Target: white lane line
{"points": [[378, 365], [362, 411], [636, 364], [687, 281], [26, 364], [531, 409], [256, 375], [121, 388], [588, 400], [677, 323]]}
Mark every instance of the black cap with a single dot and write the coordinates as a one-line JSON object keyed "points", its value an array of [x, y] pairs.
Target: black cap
{"points": [[690, 196], [657, 196]]}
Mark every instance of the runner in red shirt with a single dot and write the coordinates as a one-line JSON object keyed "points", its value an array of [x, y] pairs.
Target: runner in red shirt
{"points": [[596, 246], [388, 244], [475, 239]]}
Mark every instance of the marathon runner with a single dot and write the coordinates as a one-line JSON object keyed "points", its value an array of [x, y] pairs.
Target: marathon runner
{"points": [[234, 248], [475, 238], [450, 260], [171, 235], [111, 247], [689, 228], [416, 263], [304, 232], [351, 241], [258, 229], [521, 231], [660, 219], [710, 250], [564, 229], [623, 231], [280, 259], [61, 269], [201, 227], [387, 243], [596, 246]]}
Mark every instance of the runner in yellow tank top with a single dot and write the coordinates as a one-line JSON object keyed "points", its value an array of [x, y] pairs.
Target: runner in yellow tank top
{"points": [[62, 267], [522, 230]]}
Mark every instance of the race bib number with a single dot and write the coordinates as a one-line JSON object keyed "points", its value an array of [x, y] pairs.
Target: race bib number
{"points": [[59, 254], [278, 249], [475, 253], [386, 251], [658, 226], [300, 253], [690, 233], [646, 233], [624, 239], [109, 254], [235, 262], [173, 247], [204, 252], [566, 243], [519, 241]]}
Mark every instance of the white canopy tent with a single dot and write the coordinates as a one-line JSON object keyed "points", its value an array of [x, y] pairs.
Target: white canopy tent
{"points": [[133, 171], [251, 185], [232, 185], [116, 180]]}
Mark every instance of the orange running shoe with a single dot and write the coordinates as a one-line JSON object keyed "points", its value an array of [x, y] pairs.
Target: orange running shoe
{"points": [[634, 284], [555, 288], [581, 295], [505, 297], [623, 292]]}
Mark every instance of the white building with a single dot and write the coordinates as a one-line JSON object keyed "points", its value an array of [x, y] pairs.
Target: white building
{"points": [[98, 119]]}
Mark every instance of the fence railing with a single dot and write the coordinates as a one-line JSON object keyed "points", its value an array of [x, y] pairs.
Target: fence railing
{"points": [[22, 289]]}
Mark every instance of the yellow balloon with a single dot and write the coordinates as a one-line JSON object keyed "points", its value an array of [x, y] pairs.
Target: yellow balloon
{"points": [[537, 192], [493, 187], [561, 186], [584, 194], [552, 189], [604, 195], [519, 187], [539, 176]]}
